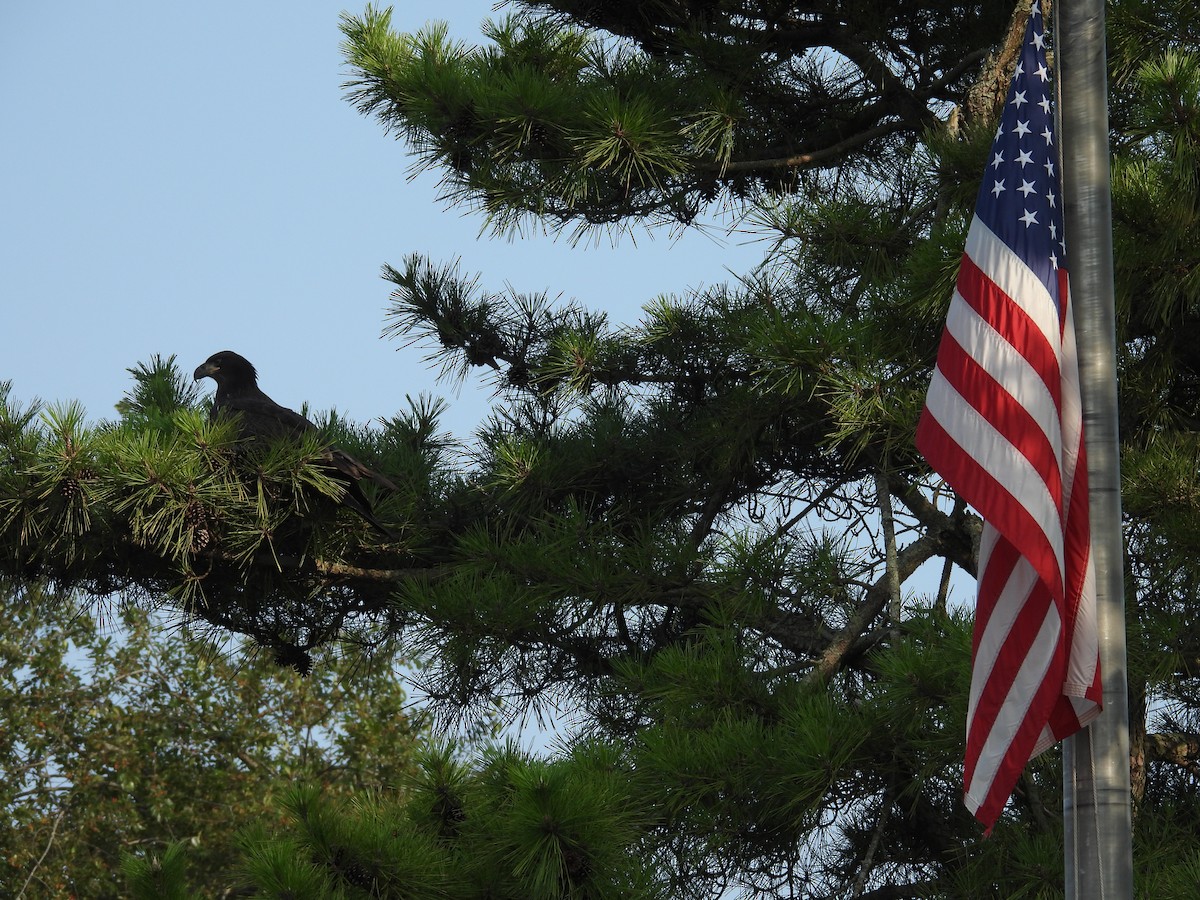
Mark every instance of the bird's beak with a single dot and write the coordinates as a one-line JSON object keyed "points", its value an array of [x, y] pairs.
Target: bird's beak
{"points": [[205, 370]]}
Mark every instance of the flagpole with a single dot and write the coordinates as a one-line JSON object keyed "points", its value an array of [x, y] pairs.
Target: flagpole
{"points": [[1096, 796]]}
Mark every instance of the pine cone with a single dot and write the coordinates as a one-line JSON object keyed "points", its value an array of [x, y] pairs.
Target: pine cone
{"points": [[352, 871], [577, 864], [294, 658], [196, 519], [518, 375], [70, 488]]}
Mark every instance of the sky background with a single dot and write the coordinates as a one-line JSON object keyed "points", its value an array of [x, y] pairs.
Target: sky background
{"points": [[186, 178]]}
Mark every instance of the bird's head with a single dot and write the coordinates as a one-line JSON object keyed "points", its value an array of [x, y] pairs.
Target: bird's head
{"points": [[225, 368]]}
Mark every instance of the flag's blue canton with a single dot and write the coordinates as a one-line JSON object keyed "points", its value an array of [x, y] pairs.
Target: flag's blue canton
{"points": [[1020, 199]]}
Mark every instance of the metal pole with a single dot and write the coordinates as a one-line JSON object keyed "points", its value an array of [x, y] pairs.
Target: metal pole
{"points": [[1096, 797]]}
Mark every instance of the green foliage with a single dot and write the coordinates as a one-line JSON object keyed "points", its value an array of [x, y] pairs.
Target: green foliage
{"points": [[670, 529], [159, 391], [125, 735], [555, 120], [508, 827], [157, 877]]}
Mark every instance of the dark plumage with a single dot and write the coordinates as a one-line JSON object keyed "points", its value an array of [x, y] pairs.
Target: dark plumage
{"points": [[262, 418]]}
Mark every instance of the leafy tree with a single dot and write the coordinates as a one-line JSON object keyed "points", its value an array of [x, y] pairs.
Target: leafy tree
{"points": [[123, 734], [698, 532]]}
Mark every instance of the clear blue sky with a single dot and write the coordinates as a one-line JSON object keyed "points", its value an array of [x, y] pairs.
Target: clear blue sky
{"points": [[185, 178]]}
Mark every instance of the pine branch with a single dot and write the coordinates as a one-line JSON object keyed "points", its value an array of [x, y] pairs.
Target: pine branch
{"points": [[838, 653], [958, 535], [887, 520], [864, 872], [1177, 748], [805, 160]]}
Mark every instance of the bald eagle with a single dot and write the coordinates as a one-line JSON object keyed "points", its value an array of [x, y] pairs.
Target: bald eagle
{"points": [[261, 418]]}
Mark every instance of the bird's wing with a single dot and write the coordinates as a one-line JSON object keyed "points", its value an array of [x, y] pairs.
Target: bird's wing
{"points": [[262, 417], [348, 470], [344, 462]]}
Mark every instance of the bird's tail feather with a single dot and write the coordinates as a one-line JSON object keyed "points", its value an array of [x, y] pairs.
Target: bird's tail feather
{"points": [[357, 501]]}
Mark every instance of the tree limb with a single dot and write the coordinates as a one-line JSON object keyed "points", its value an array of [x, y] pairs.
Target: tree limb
{"points": [[887, 519], [802, 160], [49, 843], [1176, 748], [958, 534], [908, 561]]}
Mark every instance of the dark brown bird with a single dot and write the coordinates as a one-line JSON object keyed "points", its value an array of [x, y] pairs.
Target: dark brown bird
{"points": [[262, 418]]}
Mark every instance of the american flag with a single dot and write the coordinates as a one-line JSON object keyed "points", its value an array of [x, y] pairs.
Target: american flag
{"points": [[1002, 425]]}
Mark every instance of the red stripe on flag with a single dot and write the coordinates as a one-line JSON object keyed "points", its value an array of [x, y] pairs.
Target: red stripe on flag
{"points": [[1019, 641], [1077, 547], [1019, 748], [992, 578], [990, 497], [1009, 320], [1003, 412]]}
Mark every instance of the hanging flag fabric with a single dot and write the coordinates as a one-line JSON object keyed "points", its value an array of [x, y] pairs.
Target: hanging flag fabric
{"points": [[1002, 425]]}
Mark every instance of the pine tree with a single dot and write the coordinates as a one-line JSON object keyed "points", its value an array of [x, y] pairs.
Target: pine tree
{"points": [[698, 532]]}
